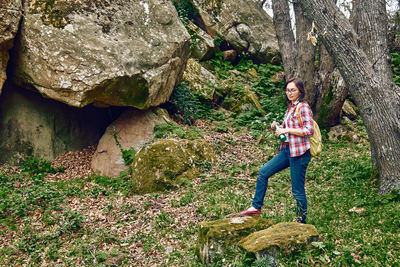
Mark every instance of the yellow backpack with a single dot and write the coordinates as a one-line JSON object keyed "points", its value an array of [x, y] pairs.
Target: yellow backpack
{"points": [[316, 139]]}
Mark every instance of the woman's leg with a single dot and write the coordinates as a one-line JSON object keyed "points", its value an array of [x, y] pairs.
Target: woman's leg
{"points": [[298, 166], [276, 164]]}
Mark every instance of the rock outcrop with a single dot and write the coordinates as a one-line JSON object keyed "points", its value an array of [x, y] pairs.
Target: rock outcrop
{"points": [[342, 132], [131, 130], [215, 237], [31, 125], [279, 237], [200, 79], [243, 24], [10, 14], [203, 44], [111, 52], [349, 109], [162, 164], [242, 99]]}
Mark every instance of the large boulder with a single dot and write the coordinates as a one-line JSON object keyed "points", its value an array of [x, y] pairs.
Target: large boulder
{"points": [[200, 79], [279, 237], [31, 125], [111, 52], [164, 163], [243, 24], [131, 130], [10, 14], [215, 237]]}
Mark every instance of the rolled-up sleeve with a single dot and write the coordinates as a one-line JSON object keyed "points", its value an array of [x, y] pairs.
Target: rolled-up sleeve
{"points": [[307, 120]]}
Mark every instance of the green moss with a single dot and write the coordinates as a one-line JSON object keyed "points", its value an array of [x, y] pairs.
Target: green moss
{"points": [[163, 164], [236, 227], [324, 111], [51, 14], [282, 235]]}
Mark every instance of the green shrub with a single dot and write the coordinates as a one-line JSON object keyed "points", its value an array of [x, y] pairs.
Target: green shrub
{"points": [[183, 105], [167, 129], [187, 13], [71, 221], [396, 67], [185, 10]]}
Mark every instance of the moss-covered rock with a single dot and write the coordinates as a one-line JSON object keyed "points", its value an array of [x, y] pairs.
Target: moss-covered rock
{"points": [[349, 109], [241, 100], [281, 236], [216, 236], [201, 81], [164, 163]]}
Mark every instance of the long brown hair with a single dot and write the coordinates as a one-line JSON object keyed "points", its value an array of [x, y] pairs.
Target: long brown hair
{"points": [[299, 84]]}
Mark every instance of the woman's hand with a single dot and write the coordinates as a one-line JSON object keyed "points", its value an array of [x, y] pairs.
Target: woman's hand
{"points": [[273, 125], [280, 131]]}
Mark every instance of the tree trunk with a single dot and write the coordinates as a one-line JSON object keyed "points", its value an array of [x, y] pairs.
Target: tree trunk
{"points": [[379, 103], [305, 55], [370, 23], [330, 89], [284, 33]]}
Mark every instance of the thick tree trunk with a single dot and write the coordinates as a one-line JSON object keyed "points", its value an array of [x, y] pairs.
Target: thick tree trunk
{"points": [[284, 33], [370, 23], [330, 88], [379, 103], [305, 56]]}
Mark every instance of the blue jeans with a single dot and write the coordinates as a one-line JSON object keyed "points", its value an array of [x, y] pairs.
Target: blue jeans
{"points": [[298, 166]]}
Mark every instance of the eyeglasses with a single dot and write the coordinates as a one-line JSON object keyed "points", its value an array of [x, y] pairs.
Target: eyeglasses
{"points": [[291, 91]]}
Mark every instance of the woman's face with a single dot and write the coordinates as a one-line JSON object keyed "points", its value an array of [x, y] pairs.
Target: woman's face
{"points": [[292, 92]]}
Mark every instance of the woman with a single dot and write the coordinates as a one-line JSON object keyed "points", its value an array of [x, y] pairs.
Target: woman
{"points": [[293, 152]]}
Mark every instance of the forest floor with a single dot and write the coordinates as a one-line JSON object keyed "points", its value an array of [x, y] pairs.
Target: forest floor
{"points": [[76, 217]]}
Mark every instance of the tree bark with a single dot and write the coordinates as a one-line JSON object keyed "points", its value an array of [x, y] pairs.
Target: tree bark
{"points": [[370, 23], [331, 91], [305, 56], [379, 103], [285, 36]]}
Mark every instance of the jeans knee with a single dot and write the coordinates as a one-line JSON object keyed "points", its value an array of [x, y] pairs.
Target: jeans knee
{"points": [[262, 174]]}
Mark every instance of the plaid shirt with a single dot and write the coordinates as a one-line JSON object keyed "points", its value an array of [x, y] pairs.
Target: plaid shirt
{"points": [[298, 145]]}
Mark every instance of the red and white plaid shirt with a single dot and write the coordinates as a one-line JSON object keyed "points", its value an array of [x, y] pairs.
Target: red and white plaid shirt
{"points": [[298, 145]]}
